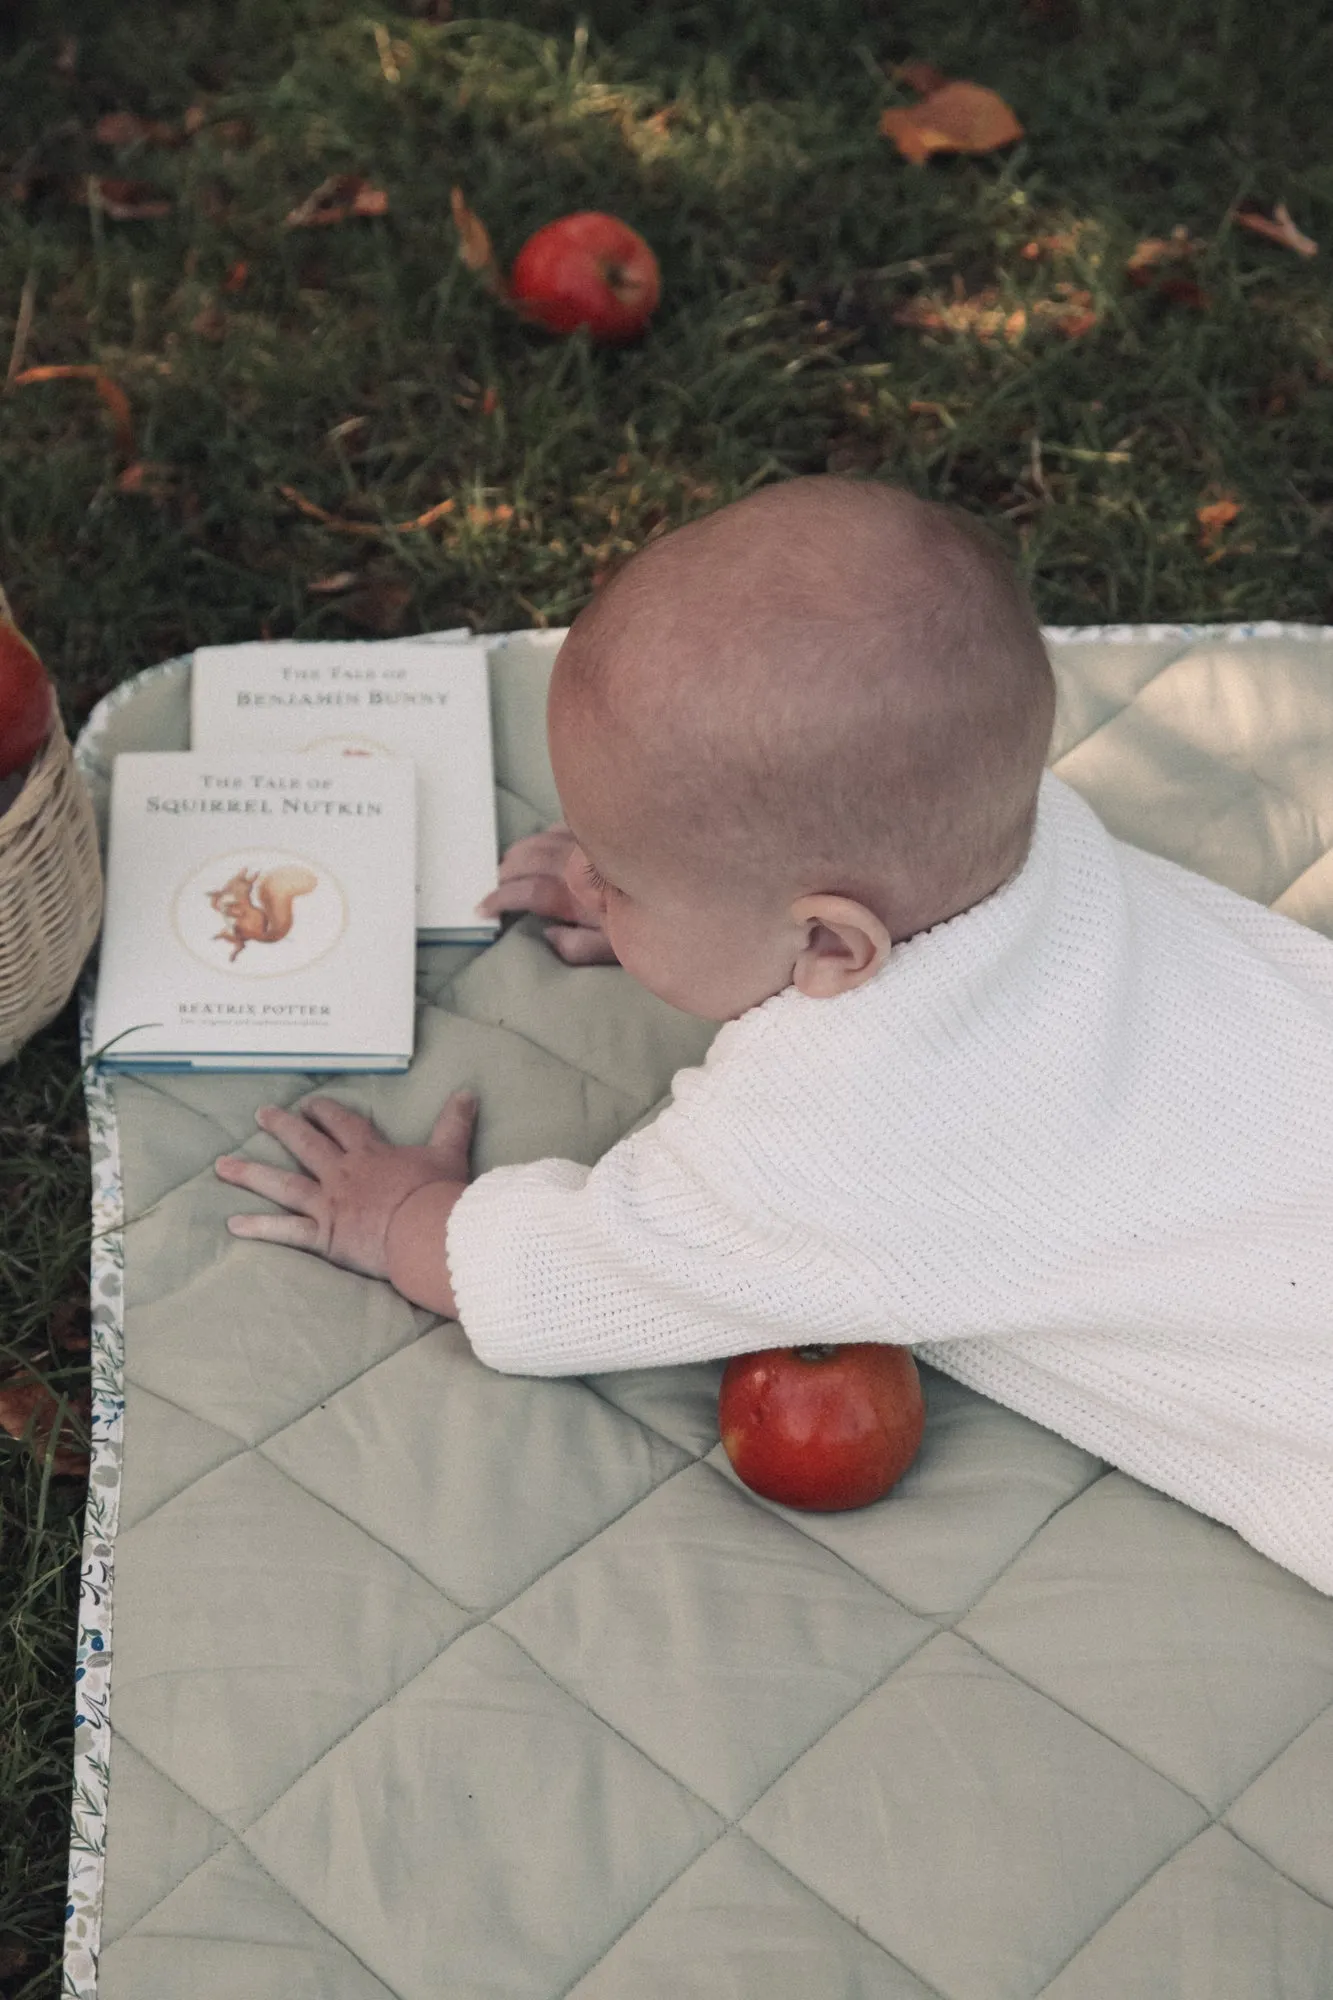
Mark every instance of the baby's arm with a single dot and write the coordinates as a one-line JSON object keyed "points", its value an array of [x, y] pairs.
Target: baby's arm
{"points": [[362, 1202]]}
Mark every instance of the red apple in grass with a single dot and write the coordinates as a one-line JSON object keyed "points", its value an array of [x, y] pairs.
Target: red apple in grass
{"points": [[25, 698], [822, 1427], [587, 270]]}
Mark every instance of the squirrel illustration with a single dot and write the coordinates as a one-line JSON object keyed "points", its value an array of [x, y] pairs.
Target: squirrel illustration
{"points": [[257, 908]]}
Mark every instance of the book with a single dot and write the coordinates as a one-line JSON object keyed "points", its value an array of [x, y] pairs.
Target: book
{"points": [[428, 699], [259, 913]]}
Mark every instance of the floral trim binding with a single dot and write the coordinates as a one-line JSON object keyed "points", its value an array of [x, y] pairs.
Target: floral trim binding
{"points": [[92, 1667], [92, 1734]]}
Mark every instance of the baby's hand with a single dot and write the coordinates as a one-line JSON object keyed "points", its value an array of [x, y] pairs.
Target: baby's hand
{"points": [[532, 877], [341, 1207]]}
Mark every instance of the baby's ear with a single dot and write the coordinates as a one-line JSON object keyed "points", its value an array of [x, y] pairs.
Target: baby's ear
{"points": [[846, 944]]}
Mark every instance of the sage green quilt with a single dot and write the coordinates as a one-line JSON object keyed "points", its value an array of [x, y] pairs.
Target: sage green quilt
{"points": [[417, 1682]]}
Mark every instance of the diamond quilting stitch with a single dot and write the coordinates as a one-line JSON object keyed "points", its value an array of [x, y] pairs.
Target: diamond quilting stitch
{"points": [[711, 1635], [972, 1828]]}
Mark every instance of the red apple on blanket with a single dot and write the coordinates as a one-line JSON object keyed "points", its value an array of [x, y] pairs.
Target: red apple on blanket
{"points": [[822, 1427], [25, 698]]}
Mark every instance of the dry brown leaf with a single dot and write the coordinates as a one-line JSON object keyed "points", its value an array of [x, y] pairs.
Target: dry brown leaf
{"points": [[111, 393], [210, 322], [474, 245], [380, 603], [1279, 228], [126, 128], [1154, 251], [69, 1327], [334, 585], [957, 118], [237, 278], [148, 478], [982, 314], [195, 119], [30, 1412], [1161, 264], [374, 529], [923, 77], [1062, 244], [337, 199], [490, 517], [1213, 517], [127, 201]]}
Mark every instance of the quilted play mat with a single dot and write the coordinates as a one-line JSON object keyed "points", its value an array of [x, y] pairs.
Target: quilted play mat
{"points": [[403, 1680]]}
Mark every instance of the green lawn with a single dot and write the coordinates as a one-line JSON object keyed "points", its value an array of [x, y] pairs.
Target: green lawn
{"points": [[825, 305]]}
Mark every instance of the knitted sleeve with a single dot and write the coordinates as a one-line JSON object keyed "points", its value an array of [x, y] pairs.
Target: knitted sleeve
{"points": [[642, 1260]]}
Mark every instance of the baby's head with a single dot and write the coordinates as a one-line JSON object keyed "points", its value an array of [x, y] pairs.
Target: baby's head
{"points": [[796, 732]]}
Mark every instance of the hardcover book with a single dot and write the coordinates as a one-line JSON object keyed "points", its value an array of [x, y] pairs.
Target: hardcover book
{"points": [[259, 913], [428, 699]]}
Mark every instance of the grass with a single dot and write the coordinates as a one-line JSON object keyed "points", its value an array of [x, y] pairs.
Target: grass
{"points": [[362, 366]]}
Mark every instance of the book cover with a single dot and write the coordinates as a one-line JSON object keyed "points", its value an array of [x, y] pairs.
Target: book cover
{"points": [[259, 913], [428, 699]]}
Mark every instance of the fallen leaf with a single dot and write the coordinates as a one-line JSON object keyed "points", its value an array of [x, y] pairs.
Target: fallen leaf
{"points": [[957, 118], [379, 604], [1279, 228], [195, 119], [922, 77], [237, 278], [1062, 244], [111, 393], [1214, 517], [490, 402], [210, 322], [148, 478], [30, 1413], [850, 452], [1177, 248], [983, 315], [334, 585], [127, 201], [474, 245], [1158, 264], [16, 1958], [490, 517], [69, 1326], [337, 199], [342, 526], [126, 128]]}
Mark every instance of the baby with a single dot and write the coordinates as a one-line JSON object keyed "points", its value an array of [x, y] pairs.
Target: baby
{"points": [[1054, 1112]]}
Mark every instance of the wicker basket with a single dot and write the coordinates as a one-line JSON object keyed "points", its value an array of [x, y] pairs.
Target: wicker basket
{"points": [[50, 892]]}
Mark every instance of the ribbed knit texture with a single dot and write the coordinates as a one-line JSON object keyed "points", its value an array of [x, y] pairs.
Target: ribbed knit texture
{"points": [[1075, 1145]]}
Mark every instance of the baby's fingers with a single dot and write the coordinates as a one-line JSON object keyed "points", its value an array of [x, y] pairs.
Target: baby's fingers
{"points": [[452, 1133], [298, 1232], [310, 1146], [348, 1127], [544, 895], [294, 1191], [580, 944], [538, 854]]}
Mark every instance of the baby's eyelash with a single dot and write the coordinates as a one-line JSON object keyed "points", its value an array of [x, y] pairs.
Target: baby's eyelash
{"points": [[597, 880]]}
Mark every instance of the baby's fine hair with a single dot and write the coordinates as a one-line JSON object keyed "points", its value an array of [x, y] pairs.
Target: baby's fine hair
{"points": [[836, 681]]}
